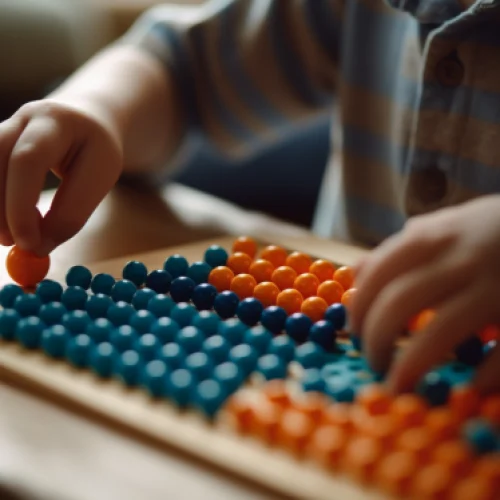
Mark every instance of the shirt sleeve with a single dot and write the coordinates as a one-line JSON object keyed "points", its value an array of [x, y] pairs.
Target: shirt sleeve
{"points": [[247, 71]]}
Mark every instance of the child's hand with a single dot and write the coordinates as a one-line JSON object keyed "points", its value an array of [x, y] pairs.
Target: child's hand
{"points": [[448, 261], [79, 148]]}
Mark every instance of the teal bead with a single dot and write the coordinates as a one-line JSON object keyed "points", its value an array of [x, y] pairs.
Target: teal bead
{"points": [[52, 313], [312, 381], [199, 364], [54, 340], [100, 330], [76, 321], [259, 338], [176, 265], [183, 314], [154, 378], [481, 436], [198, 272], [209, 396], [102, 283], [310, 355], [142, 297], [232, 330], [27, 304], [229, 376], [49, 291], [283, 346], [136, 272], [129, 367], [173, 355], [216, 256], [29, 332], [190, 339], [161, 305], [78, 350], [206, 321], [97, 305], [8, 295], [123, 338], [245, 357], [9, 318], [271, 367], [142, 321], [79, 276], [119, 313], [216, 348], [74, 297], [102, 359], [147, 346], [123, 291], [180, 387], [165, 330]]}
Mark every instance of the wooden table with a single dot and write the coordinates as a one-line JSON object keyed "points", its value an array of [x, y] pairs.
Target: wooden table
{"points": [[51, 450]]}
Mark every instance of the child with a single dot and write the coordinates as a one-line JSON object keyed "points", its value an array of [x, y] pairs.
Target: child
{"points": [[417, 99]]}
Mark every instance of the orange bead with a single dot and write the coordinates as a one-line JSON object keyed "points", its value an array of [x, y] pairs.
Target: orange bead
{"points": [[395, 472], [314, 307], [243, 285], [489, 466], [383, 428], [464, 401], [455, 455], [442, 423], [240, 409], [375, 399], [345, 276], [327, 446], [299, 261], [275, 255], [312, 404], [266, 292], [221, 277], [26, 268], [361, 457], [347, 297], [490, 409], [261, 270], [284, 277], [331, 291], [307, 284], [339, 415], [323, 269], [421, 320], [417, 440], [239, 262], [277, 392], [491, 332], [409, 410], [433, 482], [266, 421], [290, 300], [476, 487], [295, 431], [245, 245]]}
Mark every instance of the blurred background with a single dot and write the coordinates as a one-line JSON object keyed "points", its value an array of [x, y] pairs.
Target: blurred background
{"points": [[44, 41]]}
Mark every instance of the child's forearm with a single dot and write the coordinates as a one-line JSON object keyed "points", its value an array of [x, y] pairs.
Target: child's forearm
{"points": [[132, 93]]}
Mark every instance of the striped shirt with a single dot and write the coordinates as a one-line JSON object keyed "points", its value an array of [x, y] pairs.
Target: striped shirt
{"points": [[413, 86]]}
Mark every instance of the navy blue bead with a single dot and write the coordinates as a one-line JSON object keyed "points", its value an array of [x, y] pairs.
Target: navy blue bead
{"points": [[271, 367], [165, 329], [102, 359], [336, 314], [209, 397], [470, 351], [245, 357], [119, 313], [283, 346], [181, 289], [217, 348], [76, 321], [154, 378], [161, 305], [79, 276], [74, 297], [273, 318], [232, 330], [52, 313], [259, 338], [49, 291], [136, 272], [173, 355], [129, 367], [29, 331], [9, 318], [142, 297], [180, 386], [434, 388], [198, 272], [123, 338], [27, 304], [356, 342], [142, 321], [123, 290], [147, 346], [481, 436], [100, 330], [102, 283], [203, 296], [297, 326], [183, 314], [207, 322], [54, 340], [190, 339], [323, 333], [199, 364], [310, 355], [226, 304], [249, 311], [229, 376], [159, 281], [78, 350], [312, 381], [8, 294], [97, 305], [176, 265], [215, 256]]}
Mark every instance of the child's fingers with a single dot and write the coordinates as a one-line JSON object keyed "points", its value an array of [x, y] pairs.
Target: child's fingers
{"points": [[488, 376], [452, 324], [402, 299], [42, 145]]}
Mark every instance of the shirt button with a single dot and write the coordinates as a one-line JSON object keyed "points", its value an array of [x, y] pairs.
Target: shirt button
{"points": [[429, 185], [450, 72]]}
